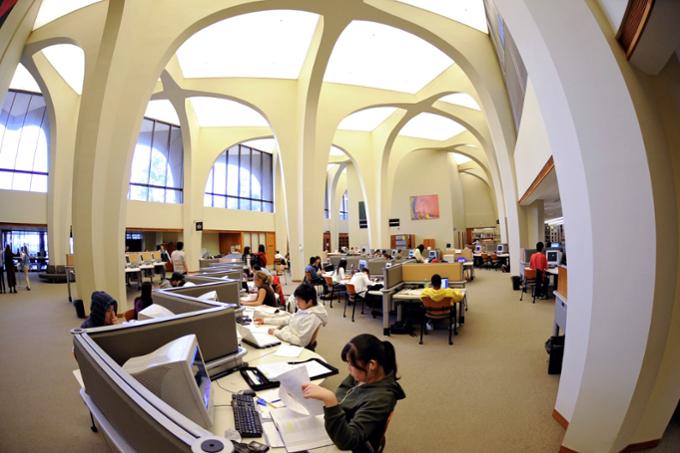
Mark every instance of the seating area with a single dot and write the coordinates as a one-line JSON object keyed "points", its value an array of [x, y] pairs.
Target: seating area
{"points": [[56, 274]]}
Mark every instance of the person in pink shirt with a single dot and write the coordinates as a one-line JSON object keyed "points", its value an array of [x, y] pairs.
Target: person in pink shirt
{"points": [[539, 263]]}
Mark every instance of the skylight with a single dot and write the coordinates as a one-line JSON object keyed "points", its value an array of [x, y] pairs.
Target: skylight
{"points": [[431, 127], [54, 9], [163, 110], [263, 144], [216, 112], [461, 159], [379, 56], [468, 12], [366, 120], [337, 152], [23, 80], [69, 61], [268, 44], [462, 99]]}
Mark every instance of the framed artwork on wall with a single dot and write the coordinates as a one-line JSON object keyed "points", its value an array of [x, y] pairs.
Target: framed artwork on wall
{"points": [[424, 207]]}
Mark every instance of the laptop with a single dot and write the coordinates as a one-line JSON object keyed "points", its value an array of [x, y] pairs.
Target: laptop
{"points": [[445, 282], [257, 336]]}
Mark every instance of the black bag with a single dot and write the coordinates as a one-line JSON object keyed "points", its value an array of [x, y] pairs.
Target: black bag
{"points": [[554, 346], [401, 328], [80, 308]]}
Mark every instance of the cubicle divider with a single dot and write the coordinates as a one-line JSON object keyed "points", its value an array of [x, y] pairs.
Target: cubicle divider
{"points": [[234, 274], [177, 299], [423, 272], [129, 415]]}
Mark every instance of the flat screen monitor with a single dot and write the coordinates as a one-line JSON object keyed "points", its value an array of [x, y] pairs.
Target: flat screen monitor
{"points": [[363, 264], [432, 254], [176, 374], [445, 282]]}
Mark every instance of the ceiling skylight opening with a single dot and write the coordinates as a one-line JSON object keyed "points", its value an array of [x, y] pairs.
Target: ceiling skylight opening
{"points": [[366, 120], [460, 158], [23, 80], [266, 44], [431, 127], [216, 112], [337, 152], [268, 145], [54, 9], [69, 61], [379, 56], [468, 12], [162, 110], [462, 99]]}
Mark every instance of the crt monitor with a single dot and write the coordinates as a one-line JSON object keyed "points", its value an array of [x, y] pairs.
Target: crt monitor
{"points": [[478, 248], [176, 374], [363, 264], [432, 254], [501, 248], [154, 311], [394, 253], [553, 257], [412, 253]]}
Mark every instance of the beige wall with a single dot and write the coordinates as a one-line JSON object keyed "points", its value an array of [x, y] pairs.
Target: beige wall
{"points": [[23, 207], [141, 214], [211, 242], [230, 219], [479, 211], [532, 150]]}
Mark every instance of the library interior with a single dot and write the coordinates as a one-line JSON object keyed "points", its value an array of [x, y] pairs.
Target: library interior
{"points": [[302, 225]]}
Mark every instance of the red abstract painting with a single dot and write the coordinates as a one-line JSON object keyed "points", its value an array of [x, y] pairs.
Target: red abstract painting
{"points": [[424, 207]]}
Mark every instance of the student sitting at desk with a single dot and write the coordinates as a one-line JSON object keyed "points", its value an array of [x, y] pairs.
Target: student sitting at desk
{"points": [[539, 263], [102, 311], [143, 301], [418, 254], [265, 293], [437, 293], [316, 279], [361, 281], [298, 328], [339, 273], [176, 280], [356, 415]]}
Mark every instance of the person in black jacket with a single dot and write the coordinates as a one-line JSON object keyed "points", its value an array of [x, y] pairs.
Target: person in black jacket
{"points": [[102, 311], [11, 270], [356, 415]]}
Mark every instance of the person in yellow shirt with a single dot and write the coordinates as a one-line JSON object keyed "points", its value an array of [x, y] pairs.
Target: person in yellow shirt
{"points": [[437, 293]]}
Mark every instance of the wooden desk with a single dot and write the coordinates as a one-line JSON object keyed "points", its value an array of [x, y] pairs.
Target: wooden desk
{"points": [[413, 296]]}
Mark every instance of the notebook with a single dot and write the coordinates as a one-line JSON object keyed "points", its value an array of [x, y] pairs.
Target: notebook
{"points": [[257, 336]]}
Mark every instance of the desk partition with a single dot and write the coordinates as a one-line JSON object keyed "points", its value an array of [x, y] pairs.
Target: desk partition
{"points": [[423, 272], [227, 292]]}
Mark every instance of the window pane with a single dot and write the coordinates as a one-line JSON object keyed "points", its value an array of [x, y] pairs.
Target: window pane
{"points": [[6, 180], [220, 175], [175, 159], [244, 204], [244, 173], [267, 176], [218, 201], [209, 183], [232, 203], [22, 181], [232, 175], [256, 206], [157, 195], [39, 183], [268, 207], [140, 193], [207, 200], [140, 164], [12, 133], [256, 176], [159, 153]]}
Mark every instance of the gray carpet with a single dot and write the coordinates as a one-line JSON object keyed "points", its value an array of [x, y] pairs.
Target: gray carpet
{"points": [[488, 392]]}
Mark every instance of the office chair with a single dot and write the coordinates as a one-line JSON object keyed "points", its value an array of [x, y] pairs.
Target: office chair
{"points": [[312, 342], [381, 446], [529, 282], [334, 293], [443, 309], [351, 295]]}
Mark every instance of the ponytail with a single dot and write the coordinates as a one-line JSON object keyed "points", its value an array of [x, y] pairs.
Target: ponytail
{"points": [[366, 347]]}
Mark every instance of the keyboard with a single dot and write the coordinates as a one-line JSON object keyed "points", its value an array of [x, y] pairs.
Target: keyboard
{"points": [[246, 418]]}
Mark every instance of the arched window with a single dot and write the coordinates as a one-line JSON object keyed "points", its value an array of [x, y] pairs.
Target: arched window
{"points": [[24, 142], [157, 163], [241, 178], [344, 207]]}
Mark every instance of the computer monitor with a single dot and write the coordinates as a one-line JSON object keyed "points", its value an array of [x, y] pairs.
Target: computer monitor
{"points": [[445, 282], [176, 374], [411, 253], [127, 259], [432, 254], [553, 257], [394, 253], [363, 264], [154, 311], [501, 248], [478, 248], [555, 245]]}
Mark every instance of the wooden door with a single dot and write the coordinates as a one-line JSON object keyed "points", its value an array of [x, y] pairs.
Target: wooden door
{"points": [[343, 240], [270, 247], [429, 243], [326, 244]]}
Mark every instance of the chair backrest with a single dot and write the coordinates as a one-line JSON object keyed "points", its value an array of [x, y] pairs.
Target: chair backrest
{"points": [[329, 281], [529, 274], [312, 342], [308, 277], [351, 290], [437, 308]]}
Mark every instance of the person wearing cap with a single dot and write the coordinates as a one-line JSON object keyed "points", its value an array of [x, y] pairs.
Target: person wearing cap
{"points": [[102, 311], [178, 279]]}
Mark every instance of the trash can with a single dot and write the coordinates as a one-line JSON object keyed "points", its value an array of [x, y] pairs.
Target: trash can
{"points": [[515, 282], [80, 308], [555, 349]]}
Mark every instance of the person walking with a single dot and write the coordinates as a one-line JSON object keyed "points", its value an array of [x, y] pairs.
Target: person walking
{"points": [[11, 271], [25, 263], [2, 272]]}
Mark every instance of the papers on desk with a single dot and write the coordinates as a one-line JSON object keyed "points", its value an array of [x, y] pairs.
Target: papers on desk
{"points": [[314, 369], [289, 351], [300, 432]]}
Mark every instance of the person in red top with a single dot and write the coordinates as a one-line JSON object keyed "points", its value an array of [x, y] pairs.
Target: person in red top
{"points": [[262, 256], [539, 263]]}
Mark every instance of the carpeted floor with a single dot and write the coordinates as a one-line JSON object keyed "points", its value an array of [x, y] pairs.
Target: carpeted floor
{"points": [[489, 392]]}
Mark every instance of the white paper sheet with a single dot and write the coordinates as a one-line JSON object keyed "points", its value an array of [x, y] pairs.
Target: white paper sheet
{"points": [[289, 351], [300, 432], [291, 395]]}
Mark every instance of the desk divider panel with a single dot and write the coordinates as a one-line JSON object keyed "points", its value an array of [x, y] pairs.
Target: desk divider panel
{"points": [[423, 272], [227, 290], [393, 276], [376, 266]]}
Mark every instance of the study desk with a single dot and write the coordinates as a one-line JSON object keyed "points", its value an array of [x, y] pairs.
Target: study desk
{"points": [[132, 271], [225, 386], [413, 296]]}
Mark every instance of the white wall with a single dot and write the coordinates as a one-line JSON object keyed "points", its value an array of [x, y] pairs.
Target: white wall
{"points": [[23, 207], [424, 172], [532, 150], [231, 219], [142, 214], [479, 210]]}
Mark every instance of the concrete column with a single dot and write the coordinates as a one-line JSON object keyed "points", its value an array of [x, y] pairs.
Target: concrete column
{"points": [[535, 223]]}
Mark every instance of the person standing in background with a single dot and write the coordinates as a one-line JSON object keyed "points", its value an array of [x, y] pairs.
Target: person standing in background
{"points": [[25, 263], [179, 261], [262, 256], [11, 271], [2, 272]]}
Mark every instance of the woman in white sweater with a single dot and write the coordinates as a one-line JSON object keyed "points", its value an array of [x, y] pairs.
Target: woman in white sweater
{"points": [[299, 328]]}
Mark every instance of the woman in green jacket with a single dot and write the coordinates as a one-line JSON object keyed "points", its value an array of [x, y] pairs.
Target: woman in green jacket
{"points": [[356, 415]]}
